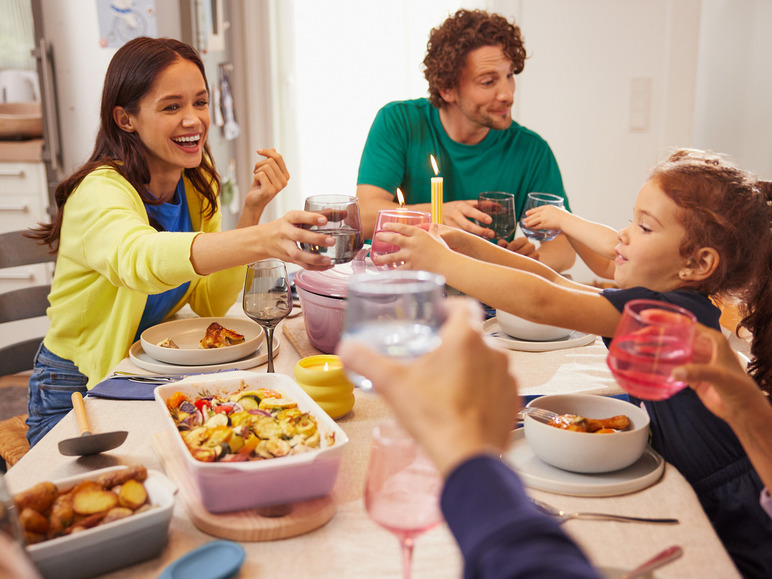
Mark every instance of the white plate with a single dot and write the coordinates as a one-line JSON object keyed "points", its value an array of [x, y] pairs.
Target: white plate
{"points": [[573, 340], [187, 334], [539, 475], [141, 359]]}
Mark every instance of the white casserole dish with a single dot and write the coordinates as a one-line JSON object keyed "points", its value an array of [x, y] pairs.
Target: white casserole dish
{"points": [[235, 486], [111, 546]]}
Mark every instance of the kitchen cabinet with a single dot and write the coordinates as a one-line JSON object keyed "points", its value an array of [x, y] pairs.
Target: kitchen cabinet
{"points": [[23, 203]]}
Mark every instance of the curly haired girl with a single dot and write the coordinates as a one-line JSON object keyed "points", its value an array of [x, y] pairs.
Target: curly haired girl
{"points": [[700, 232]]}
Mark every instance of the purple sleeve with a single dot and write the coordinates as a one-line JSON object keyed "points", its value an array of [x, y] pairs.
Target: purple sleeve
{"points": [[498, 530]]}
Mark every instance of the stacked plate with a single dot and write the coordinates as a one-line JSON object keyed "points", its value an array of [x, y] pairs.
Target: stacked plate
{"points": [[189, 357]]}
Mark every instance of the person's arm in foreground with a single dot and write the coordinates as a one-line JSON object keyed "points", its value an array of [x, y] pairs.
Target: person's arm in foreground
{"points": [[501, 279], [460, 402], [593, 242], [557, 254], [730, 393]]}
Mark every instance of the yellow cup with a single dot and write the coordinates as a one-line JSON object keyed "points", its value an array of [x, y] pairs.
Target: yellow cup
{"points": [[324, 380]]}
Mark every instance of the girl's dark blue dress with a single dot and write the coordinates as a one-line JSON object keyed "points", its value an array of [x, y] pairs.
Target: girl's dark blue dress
{"points": [[707, 453]]}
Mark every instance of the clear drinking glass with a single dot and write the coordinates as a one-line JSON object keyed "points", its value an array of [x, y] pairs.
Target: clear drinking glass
{"points": [[406, 216], [651, 339], [344, 225], [397, 313], [536, 200], [501, 207], [402, 492], [267, 297]]}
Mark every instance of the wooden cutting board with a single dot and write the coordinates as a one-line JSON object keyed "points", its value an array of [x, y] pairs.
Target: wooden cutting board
{"points": [[295, 330], [266, 524]]}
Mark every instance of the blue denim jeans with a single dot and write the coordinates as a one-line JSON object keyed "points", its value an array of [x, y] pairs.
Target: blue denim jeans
{"points": [[51, 385]]}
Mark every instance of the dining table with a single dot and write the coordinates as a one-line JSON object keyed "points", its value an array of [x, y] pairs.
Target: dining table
{"points": [[350, 544]]}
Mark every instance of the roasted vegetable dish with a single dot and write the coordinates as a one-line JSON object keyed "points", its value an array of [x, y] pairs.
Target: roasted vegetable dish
{"points": [[599, 425], [246, 425], [47, 512]]}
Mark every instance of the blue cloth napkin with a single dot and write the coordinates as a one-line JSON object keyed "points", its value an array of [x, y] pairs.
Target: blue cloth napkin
{"points": [[123, 388]]}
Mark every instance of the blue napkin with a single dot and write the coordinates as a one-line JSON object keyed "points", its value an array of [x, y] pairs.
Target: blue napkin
{"points": [[123, 388]]}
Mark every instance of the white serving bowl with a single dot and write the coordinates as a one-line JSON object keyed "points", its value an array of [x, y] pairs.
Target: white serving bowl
{"points": [[111, 546], [583, 451], [187, 334], [236, 486], [522, 329]]}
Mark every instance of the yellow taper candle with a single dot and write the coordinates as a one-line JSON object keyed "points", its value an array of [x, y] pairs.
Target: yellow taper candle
{"points": [[436, 193]]}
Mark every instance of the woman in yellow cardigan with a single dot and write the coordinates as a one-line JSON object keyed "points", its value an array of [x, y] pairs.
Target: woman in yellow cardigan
{"points": [[138, 227]]}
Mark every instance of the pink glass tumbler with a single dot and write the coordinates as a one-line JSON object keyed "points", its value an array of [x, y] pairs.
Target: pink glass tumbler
{"points": [[406, 216], [651, 339]]}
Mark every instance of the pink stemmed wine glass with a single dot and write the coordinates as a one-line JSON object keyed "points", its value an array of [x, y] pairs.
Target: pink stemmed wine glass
{"points": [[406, 216], [402, 492], [651, 339]]}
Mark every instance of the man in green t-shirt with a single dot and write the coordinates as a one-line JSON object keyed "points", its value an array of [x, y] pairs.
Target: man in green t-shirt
{"points": [[466, 124]]}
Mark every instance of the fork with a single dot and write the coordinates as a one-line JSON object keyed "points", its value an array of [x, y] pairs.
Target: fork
{"points": [[539, 414], [562, 516], [148, 378]]}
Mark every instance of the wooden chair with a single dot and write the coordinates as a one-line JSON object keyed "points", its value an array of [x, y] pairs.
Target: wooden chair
{"points": [[20, 304]]}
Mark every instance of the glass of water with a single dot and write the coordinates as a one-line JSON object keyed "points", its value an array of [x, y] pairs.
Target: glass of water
{"points": [[537, 200], [344, 225], [396, 312], [501, 207]]}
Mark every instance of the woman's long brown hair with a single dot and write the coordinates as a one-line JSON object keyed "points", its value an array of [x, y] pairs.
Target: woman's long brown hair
{"points": [[130, 76]]}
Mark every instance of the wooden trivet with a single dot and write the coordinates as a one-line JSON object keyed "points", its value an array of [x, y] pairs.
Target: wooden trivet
{"points": [[295, 330], [266, 524]]}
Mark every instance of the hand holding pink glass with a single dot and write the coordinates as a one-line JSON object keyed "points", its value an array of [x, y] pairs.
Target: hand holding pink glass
{"points": [[406, 216]]}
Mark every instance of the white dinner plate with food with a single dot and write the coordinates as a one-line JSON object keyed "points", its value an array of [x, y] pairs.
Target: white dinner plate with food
{"points": [[573, 340], [141, 359], [539, 475], [179, 342]]}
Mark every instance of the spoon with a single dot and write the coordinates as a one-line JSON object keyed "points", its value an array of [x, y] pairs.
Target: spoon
{"points": [[88, 443], [563, 516], [657, 561]]}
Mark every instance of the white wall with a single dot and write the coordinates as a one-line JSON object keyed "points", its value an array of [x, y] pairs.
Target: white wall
{"points": [[734, 87], [341, 60]]}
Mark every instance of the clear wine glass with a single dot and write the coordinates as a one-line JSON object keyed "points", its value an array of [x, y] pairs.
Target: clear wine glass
{"points": [[344, 225], [406, 216], [402, 492], [501, 207], [267, 297], [536, 200], [395, 312], [651, 339]]}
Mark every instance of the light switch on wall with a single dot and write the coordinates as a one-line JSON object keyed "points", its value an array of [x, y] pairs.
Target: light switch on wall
{"points": [[640, 103]]}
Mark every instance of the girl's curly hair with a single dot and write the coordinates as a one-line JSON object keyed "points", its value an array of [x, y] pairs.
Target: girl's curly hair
{"points": [[724, 207], [460, 34]]}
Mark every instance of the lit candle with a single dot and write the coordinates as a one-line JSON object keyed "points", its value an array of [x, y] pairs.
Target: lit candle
{"points": [[436, 193], [400, 197], [324, 380], [401, 201]]}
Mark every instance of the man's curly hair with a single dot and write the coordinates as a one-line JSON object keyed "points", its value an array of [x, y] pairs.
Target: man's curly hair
{"points": [[461, 33]]}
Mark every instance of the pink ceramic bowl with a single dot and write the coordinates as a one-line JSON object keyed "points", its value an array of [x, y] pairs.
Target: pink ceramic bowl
{"points": [[323, 299]]}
